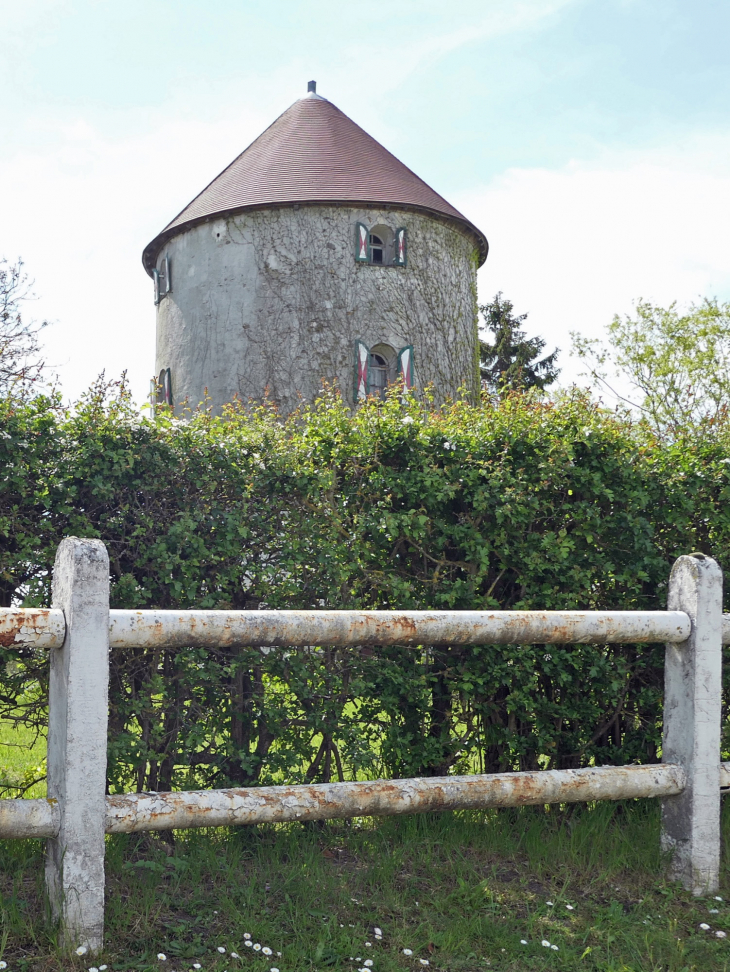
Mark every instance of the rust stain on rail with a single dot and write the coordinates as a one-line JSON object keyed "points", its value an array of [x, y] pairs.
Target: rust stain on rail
{"points": [[28, 627]]}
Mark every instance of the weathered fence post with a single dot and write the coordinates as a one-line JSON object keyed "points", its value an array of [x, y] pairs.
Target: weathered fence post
{"points": [[692, 711], [77, 730]]}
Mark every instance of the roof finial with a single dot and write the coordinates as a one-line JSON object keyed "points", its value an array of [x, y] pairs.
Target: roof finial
{"points": [[312, 87]]}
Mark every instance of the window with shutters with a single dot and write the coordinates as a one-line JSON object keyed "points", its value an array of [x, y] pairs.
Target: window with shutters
{"points": [[380, 245], [162, 279], [380, 366], [162, 390]]}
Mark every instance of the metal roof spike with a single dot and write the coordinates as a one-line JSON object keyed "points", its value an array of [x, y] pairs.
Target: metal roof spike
{"points": [[313, 154]]}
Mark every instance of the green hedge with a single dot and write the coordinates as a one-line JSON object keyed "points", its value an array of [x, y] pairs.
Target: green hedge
{"points": [[521, 504]]}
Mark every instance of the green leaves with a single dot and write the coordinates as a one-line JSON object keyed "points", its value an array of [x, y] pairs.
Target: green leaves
{"points": [[678, 364]]}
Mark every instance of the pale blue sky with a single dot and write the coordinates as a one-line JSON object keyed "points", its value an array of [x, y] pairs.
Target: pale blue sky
{"points": [[589, 139]]}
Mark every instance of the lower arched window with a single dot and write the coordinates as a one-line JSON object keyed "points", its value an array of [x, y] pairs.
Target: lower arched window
{"points": [[377, 367]]}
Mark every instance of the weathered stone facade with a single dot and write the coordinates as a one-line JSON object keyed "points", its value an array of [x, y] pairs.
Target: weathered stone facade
{"points": [[273, 300]]}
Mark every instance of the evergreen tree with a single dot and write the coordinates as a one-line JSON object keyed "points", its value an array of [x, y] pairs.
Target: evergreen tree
{"points": [[511, 360]]}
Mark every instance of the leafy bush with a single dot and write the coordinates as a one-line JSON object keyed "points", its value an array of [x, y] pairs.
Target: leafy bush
{"points": [[516, 504]]}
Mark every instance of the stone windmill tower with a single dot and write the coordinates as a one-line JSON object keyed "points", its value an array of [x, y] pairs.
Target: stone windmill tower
{"points": [[316, 255]]}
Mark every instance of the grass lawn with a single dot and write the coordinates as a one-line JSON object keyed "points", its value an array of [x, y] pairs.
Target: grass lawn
{"points": [[461, 891]]}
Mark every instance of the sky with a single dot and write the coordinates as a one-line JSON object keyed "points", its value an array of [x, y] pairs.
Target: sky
{"points": [[588, 139]]}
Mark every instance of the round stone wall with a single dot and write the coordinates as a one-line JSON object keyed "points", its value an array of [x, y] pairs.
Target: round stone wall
{"points": [[273, 301]]}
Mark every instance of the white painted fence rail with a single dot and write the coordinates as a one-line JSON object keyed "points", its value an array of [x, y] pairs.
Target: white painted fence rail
{"points": [[79, 630], [240, 629]]}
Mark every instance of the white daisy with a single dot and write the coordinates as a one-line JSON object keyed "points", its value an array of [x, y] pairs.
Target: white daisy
{"points": [[81, 950], [718, 898], [549, 904], [523, 941], [196, 965], [248, 943], [570, 907], [246, 936], [545, 943], [102, 968], [235, 955], [704, 926], [257, 947], [368, 963], [273, 970], [377, 931], [221, 950], [161, 957], [93, 968], [554, 948], [720, 934], [408, 951], [266, 950], [424, 961]]}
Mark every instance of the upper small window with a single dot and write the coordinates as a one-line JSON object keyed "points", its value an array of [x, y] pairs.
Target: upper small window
{"points": [[380, 245]]}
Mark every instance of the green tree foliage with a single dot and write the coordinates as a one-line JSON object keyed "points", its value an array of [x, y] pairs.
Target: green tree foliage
{"points": [[511, 361], [678, 365], [516, 503]]}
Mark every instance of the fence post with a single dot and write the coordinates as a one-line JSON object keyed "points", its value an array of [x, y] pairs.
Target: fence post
{"points": [[77, 730], [692, 712]]}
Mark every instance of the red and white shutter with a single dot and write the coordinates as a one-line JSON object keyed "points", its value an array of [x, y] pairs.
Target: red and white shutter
{"points": [[362, 368], [401, 246], [168, 281], [361, 243], [156, 281], [405, 365]]}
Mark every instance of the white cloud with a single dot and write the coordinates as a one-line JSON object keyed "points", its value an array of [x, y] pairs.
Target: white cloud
{"points": [[577, 245]]}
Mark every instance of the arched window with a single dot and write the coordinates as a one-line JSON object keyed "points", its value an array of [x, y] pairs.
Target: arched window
{"points": [[380, 245], [378, 367]]}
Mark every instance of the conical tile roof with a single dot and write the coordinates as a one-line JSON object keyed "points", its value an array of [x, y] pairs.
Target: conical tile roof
{"points": [[313, 153]]}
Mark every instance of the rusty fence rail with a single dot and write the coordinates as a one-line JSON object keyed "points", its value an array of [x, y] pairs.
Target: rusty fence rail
{"points": [[80, 629]]}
